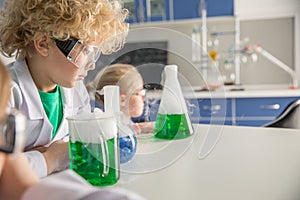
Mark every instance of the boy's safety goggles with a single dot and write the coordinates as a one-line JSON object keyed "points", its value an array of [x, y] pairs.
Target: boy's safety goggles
{"points": [[12, 132], [78, 53]]}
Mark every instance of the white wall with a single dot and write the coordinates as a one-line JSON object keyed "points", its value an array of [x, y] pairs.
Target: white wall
{"points": [[275, 35], [258, 9], [261, 9]]}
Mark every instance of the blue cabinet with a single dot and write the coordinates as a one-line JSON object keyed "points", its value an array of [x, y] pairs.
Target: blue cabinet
{"points": [[256, 111], [191, 8], [220, 8], [162, 10], [268, 107], [259, 111], [147, 10], [213, 111]]}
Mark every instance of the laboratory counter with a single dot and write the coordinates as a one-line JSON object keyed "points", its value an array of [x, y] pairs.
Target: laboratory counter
{"points": [[256, 105], [217, 162], [244, 91]]}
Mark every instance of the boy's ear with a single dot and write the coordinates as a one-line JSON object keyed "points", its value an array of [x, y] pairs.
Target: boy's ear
{"points": [[41, 44]]}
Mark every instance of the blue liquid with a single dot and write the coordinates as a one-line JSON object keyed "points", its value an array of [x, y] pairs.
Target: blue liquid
{"points": [[127, 148]]}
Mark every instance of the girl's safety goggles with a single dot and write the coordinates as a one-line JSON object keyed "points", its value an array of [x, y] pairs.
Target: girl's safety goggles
{"points": [[12, 132], [78, 53]]}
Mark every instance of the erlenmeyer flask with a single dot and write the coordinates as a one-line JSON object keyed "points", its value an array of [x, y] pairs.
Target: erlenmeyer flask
{"points": [[173, 121], [127, 136]]}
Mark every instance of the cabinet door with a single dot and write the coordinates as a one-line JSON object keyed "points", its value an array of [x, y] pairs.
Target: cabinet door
{"points": [[191, 8], [259, 111], [215, 107], [157, 10], [147, 10], [262, 106], [132, 6], [214, 111], [220, 8]]}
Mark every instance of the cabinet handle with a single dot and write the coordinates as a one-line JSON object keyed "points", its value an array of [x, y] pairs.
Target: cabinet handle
{"points": [[212, 108], [270, 107]]}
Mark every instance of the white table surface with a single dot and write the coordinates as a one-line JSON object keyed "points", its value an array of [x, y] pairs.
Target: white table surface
{"points": [[246, 163]]}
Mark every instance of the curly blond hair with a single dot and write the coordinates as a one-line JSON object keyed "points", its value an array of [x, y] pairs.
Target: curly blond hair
{"points": [[93, 20]]}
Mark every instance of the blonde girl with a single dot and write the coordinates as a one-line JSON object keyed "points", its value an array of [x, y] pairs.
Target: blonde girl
{"points": [[130, 81]]}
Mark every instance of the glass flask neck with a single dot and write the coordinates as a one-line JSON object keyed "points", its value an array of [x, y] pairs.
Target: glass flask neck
{"points": [[171, 71]]}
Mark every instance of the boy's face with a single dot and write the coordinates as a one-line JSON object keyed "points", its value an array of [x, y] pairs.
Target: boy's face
{"points": [[55, 68], [82, 55], [62, 71], [65, 73]]}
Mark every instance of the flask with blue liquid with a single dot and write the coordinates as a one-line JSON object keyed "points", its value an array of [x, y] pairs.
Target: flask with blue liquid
{"points": [[127, 135]]}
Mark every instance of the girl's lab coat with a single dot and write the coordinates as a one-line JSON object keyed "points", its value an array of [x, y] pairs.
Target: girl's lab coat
{"points": [[25, 97]]}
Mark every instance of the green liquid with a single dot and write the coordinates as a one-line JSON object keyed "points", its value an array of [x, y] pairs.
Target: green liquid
{"points": [[173, 126], [87, 161]]}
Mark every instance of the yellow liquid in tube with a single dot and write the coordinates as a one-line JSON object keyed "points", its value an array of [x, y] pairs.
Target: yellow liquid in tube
{"points": [[213, 55]]}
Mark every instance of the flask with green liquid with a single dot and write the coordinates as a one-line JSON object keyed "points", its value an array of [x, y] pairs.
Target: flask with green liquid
{"points": [[173, 121]]}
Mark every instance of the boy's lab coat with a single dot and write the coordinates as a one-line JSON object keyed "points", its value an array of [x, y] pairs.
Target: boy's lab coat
{"points": [[68, 185], [25, 97]]}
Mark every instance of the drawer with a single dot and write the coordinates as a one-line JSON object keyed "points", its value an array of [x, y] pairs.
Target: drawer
{"points": [[215, 107], [262, 106]]}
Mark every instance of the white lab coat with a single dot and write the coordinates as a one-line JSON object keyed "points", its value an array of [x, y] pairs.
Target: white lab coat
{"points": [[68, 185], [25, 97]]}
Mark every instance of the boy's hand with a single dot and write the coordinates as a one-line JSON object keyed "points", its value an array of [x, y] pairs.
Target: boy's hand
{"points": [[57, 156]]}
